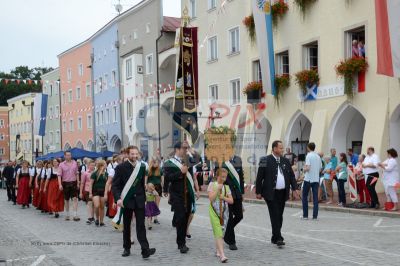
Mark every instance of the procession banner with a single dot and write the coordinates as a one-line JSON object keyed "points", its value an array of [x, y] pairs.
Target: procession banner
{"points": [[263, 24], [186, 94]]}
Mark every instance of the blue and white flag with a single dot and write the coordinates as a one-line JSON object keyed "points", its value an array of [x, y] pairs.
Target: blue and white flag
{"points": [[263, 23], [40, 113], [312, 93]]}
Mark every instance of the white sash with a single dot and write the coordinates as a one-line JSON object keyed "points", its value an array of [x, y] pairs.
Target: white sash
{"points": [[234, 172]]}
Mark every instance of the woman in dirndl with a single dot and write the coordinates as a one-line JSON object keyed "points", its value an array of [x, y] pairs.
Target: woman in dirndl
{"points": [[36, 177], [109, 197], [43, 206], [22, 185], [55, 196], [220, 196]]}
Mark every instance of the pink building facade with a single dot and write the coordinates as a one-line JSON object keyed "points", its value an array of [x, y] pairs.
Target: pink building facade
{"points": [[76, 97]]}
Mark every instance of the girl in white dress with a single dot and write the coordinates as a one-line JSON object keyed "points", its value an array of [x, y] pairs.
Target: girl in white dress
{"points": [[391, 177]]}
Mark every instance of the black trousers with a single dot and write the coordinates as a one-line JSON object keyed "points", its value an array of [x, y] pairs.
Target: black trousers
{"points": [[181, 217], [276, 208], [371, 189], [140, 228], [235, 216], [11, 191]]}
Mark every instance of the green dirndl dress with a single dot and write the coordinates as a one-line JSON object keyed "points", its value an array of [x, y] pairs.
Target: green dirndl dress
{"points": [[215, 211]]}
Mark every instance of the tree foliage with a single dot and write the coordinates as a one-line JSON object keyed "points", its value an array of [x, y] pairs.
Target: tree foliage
{"points": [[13, 89]]}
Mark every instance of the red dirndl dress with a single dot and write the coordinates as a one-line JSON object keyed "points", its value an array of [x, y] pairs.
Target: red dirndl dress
{"points": [[43, 197], [111, 211], [35, 200], [55, 196], [24, 191]]}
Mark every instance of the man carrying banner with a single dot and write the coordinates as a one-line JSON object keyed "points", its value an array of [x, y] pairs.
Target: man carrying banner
{"points": [[128, 188], [182, 196], [235, 181]]}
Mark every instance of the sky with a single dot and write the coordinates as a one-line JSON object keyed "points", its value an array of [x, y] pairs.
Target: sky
{"points": [[34, 32]]}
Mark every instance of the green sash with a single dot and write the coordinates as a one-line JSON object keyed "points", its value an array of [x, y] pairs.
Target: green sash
{"points": [[127, 193], [189, 178], [233, 175]]}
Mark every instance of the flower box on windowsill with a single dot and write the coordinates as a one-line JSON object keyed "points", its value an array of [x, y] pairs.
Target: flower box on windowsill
{"points": [[254, 96]]}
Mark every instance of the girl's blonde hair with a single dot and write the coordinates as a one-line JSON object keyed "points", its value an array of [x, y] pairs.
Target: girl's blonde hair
{"points": [[101, 167], [220, 171], [152, 169]]}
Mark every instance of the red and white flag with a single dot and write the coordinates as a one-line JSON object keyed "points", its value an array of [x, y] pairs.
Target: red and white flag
{"points": [[388, 37]]}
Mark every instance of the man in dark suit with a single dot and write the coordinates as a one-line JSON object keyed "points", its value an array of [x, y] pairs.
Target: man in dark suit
{"points": [[235, 209], [180, 199], [274, 179], [135, 203], [8, 174]]}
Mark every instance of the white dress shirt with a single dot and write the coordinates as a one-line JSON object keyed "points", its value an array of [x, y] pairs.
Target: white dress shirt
{"points": [[280, 179], [374, 159]]}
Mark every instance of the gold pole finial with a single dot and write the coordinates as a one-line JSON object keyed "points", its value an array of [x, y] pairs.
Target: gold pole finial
{"points": [[185, 17]]}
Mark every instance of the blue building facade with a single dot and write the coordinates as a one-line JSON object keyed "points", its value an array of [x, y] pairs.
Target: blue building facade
{"points": [[106, 92]]}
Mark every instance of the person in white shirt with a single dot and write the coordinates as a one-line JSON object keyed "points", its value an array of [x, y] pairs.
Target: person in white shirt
{"points": [[370, 170], [312, 169], [391, 177]]}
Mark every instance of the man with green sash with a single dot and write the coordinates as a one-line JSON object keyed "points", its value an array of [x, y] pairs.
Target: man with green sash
{"points": [[128, 188], [182, 196], [235, 181]]}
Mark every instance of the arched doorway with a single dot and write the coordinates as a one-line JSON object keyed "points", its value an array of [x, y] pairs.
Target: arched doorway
{"points": [[115, 144], [90, 145], [298, 134], [395, 129], [79, 145], [67, 147], [347, 129]]}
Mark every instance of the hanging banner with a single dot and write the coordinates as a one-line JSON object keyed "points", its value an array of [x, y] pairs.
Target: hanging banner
{"points": [[186, 94]]}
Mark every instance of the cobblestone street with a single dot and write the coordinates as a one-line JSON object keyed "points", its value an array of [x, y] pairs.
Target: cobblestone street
{"points": [[30, 238]]}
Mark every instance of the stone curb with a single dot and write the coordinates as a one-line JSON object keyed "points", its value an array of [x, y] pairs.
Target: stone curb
{"points": [[330, 208]]}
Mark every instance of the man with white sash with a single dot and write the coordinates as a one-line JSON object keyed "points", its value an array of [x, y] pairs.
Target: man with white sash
{"points": [[128, 189], [235, 181], [182, 193]]}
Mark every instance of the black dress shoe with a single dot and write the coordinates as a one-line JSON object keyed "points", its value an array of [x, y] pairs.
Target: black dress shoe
{"points": [[148, 252], [184, 249], [233, 247], [280, 243], [126, 253]]}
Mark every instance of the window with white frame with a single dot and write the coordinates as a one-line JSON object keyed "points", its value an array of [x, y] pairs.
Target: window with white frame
{"points": [[1, 151], [212, 4], [88, 91], [69, 73], [101, 117], [113, 78], [212, 48], [128, 68], [57, 89], [192, 8], [51, 90], [213, 93], [147, 27], [70, 96], [78, 93], [256, 70], [115, 117], [234, 40], [58, 136], [149, 64], [80, 70], [107, 121], [123, 41], [89, 121], [235, 91], [105, 81], [71, 125], [51, 138], [63, 98], [355, 42], [64, 126], [135, 34], [1, 136], [79, 123], [57, 111], [310, 56], [97, 118], [100, 85], [129, 109], [1, 122], [50, 111], [282, 63]]}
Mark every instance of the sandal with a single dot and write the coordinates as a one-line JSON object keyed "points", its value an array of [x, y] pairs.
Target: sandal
{"points": [[217, 255], [224, 259]]}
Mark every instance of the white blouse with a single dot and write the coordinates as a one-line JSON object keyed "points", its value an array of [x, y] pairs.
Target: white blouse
{"points": [[391, 172]]}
